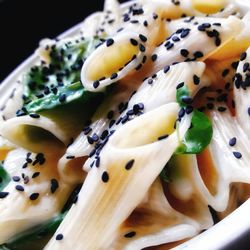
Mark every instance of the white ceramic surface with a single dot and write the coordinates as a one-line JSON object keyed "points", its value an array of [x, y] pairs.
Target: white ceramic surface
{"points": [[217, 237]]}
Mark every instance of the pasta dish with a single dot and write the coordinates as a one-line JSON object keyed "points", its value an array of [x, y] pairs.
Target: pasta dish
{"points": [[129, 132]]}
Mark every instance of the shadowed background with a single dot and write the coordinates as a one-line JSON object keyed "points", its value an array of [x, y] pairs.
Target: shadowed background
{"points": [[23, 23]]}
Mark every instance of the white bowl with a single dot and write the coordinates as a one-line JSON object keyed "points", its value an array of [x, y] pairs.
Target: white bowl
{"points": [[219, 236]]}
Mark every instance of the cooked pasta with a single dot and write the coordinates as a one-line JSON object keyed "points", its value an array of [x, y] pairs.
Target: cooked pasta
{"points": [[128, 131]]}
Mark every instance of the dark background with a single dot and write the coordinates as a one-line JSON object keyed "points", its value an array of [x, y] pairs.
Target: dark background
{"points": [[23, 23]]}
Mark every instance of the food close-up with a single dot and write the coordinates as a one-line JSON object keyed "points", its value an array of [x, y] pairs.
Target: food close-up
{"points": [[130, 130]]}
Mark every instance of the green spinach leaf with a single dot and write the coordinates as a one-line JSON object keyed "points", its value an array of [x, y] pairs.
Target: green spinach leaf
{"points": [[199, 135], [4, 177]]}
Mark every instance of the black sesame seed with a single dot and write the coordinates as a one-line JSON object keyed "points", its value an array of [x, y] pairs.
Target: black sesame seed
{"points": [[34, 196], [54, 90], [130, 234], [97, 162], [95, 137], [28, 160], [143, 38], [40, 96], [180, 85], [185, 33], [217, 24], [111, 21], [25, 165], [184, 52], [150, 81], [141, 106], [20, 113], [166, 69], [169, 46], [105, 177], [16, 178], [222, 109], [125, 118], [198, 54], [62, 98], [145, 23], [155, 16], [3, 195], [110, 114], [134, 21], [225, 72], [176, 39], [206, 25], [129, 164], [187, 99], [109, 42], [112, 122], [136, 109], [70, 157], [59, 237], [154, 57], [210, 33], [126, 18], [201, 28], [189, 109], [90, 140], [196, 80], [232, 141], [113, 76], [235, 65], [142, 48], [167, 43], [138, 11], [118, 120], [216, 33], [245, 67], [133, 42], [181, 113], [19, 188], [243, 56], [53, 185], [162, 137], [36, 116], [130, 112], [248, 111], [217, 41], [36, 174], [237, 155], [138, 67], [96, 84], [92, 152]]}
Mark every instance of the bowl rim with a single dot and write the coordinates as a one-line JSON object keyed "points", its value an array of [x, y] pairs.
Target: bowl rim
{"points": [[228, 229]]}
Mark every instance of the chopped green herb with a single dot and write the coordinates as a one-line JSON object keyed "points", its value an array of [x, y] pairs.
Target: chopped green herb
{"points": [[4, 178], [199, 135], [64, 69]]}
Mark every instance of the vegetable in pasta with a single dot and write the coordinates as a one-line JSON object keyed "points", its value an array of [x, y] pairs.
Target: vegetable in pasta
{"points": [[116, 134]]}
